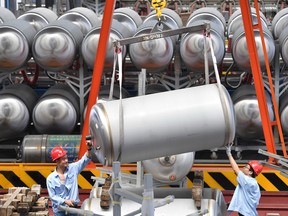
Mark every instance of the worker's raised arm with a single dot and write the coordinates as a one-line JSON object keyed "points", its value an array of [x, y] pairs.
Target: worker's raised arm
{"points": [[231, 159]]}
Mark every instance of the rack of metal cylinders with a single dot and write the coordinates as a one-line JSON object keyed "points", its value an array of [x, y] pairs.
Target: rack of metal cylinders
{"points": [[192, 45], [248, 118], [16, 37], [16, 106], [57, 111], [239, 49], [124, 24], [155, 55], [166, 123]]}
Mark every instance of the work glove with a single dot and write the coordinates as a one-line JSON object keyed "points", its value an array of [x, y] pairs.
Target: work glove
{"points": [[228, 149]]}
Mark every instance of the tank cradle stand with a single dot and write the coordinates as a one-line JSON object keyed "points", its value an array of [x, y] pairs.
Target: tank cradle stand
{"points": [[282, 163], [197, 188]]}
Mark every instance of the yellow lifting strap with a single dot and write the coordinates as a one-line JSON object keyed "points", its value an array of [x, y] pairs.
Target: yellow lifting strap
{"points": [[158, 5]]}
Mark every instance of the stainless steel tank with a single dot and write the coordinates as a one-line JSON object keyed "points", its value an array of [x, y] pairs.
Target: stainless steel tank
{"points": [[240, 52], [90, 43], [16, 38], [56, 46], [279, 22], [155, 55], [166, 123], [283, 112], [57, 111], [170, 169], [248, 118], [84, 18], [283, 44], [235, 21], [129, 18], [169, 17], [16, 105], [39, 17], [192, 47], [37, 148], [211, 15], [6, 15]]}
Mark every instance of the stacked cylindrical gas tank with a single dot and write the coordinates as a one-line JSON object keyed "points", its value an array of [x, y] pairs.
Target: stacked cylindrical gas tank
{"points": [[248, 118], [239, 49], [192, 44], [57, 111], [16, 105], [155, 55], [124, 24]]}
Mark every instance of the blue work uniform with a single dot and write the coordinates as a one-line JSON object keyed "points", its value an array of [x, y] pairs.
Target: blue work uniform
{"points": [[246, 196], [59, 192]]}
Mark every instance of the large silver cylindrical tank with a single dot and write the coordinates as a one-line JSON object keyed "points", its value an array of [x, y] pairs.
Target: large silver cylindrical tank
{"points": [[283, 112], [16, 37], [235, 21], [37, 148], [279, 22], [240, 52], [6, 15], [129, 18], [57, 111], [170, 169], [166, 123], [16, 105], [248, 118], [283, 41], [153, 55], [169, 17], [192, 47], [90, 44], [211, 15], [39, 17], [84, 18], [56, 46]]}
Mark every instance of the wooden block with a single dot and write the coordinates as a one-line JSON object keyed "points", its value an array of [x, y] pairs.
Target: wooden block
{"points": [[20, 197], [2, 201], [15, 214], [3, 211], [42, 213], [36, 188], [7, 196], [6, 211], [28, 199], [25, 190], [15, 203], [38, 208], [32, 214]]}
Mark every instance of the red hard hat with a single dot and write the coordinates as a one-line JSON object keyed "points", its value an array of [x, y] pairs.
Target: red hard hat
{"points": [[57, 153], [256, 166]]}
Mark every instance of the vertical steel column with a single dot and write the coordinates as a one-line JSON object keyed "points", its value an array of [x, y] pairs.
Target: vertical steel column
{"points": [[97, 70]]}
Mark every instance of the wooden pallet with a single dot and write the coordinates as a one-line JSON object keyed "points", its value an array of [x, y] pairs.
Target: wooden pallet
{"points": [[23, 201]]}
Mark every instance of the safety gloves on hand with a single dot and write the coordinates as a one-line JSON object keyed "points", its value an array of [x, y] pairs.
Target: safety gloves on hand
{"points": [[228, 149]]}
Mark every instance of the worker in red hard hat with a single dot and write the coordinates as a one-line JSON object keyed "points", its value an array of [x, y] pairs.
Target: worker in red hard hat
{"points": [[62, 183], [247, 193]]}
